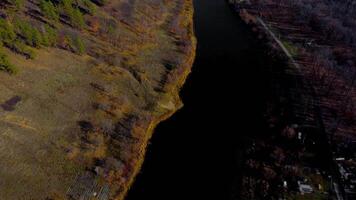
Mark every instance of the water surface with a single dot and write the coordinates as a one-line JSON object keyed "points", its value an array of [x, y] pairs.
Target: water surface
{"points": [[196, 154]]}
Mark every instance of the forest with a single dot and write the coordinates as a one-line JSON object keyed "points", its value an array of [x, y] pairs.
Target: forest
{"points": [[320, 35]]}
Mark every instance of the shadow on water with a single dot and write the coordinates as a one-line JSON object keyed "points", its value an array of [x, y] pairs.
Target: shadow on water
{"points": [[196, 153]]}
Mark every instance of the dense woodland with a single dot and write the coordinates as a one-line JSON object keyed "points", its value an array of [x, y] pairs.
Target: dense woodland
{"points": [[320, 36]]}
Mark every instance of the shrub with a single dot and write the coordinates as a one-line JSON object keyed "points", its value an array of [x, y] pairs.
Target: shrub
{"points": [[24, 29], [67, 5], [49, 10], [19, 47], [90, 6], [67, 8], [30, 34], [49, 36], [72, 43], [18, 3], [9, 38], [7, 33], [94, 24], [5, 64], [75, 16], [36, 38], [79, 46], [68, 42], [77, 19]]}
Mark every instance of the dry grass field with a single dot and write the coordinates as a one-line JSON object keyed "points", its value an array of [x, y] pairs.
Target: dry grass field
{"points": [[74, 124]]}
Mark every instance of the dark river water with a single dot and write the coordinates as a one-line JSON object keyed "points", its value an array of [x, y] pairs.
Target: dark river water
{"points": [[196, 154]]}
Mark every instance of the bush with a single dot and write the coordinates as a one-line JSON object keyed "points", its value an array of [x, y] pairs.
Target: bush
{"points": [[49, 36], [18, 3], [5, 64], [94, 24], [30, 34], [67, 5], [49, 10], [75, 44], [7, 33], [9, 38], [20, 48], [36, 38], [24, 29], [77, 19], [79, 46], [75, 16], [90, 6]]}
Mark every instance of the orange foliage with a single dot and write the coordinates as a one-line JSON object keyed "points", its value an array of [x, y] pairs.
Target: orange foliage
{"points": [[94, 24]]}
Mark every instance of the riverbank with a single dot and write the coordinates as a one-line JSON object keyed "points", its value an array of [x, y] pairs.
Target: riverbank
{"points": [[173, 89], [197, 152]]}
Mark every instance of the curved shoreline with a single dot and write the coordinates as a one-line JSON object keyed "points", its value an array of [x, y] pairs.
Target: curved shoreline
{"points": [[173, 91]]}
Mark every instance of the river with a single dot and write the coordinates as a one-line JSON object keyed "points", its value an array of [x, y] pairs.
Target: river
{"points": [[196, 154]]}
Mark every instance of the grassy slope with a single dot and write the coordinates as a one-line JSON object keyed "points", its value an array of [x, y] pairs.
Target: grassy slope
{"points": [[124, 75]]}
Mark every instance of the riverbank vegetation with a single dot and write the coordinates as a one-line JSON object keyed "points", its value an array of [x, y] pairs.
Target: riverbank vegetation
{"points": [[83, 83]]}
